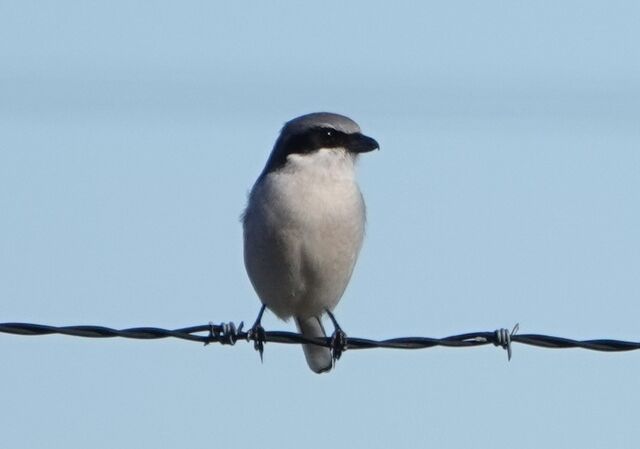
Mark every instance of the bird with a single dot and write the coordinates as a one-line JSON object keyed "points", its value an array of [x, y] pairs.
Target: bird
{"points": [[304, 225]]}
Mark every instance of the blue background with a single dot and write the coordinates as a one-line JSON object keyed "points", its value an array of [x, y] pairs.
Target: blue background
{"points": [[506, 190]]}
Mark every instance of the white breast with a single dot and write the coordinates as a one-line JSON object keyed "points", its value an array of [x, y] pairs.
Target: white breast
{"points": [[303, 229]]}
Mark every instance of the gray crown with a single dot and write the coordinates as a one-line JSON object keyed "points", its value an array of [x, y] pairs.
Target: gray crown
{"points": [[320, 120]]}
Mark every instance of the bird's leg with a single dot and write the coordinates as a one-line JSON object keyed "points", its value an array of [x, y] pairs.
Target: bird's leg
{"points": [[257, 333], [338, 339]]}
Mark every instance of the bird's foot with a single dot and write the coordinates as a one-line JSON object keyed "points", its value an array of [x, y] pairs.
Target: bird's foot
{"points": [[338, 344], [259, 337], [338, 339], [258, 334]]}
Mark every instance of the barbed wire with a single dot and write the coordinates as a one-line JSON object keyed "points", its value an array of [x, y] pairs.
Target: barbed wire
{"points": [[229, 334]]}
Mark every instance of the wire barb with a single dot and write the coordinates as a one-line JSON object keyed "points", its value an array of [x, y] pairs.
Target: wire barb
{"points": [[225, 333], [503, 339]]}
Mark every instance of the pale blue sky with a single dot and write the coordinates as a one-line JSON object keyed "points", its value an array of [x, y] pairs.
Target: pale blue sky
{"points": [[506, 190]]}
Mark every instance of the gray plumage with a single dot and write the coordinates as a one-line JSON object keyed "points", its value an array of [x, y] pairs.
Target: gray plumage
{"points": [[304, 223]]}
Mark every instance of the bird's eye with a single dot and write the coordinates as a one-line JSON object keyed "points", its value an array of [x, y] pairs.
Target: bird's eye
{"points": [[326, 137]]}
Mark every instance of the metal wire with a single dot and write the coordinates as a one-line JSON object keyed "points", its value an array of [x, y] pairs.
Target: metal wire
{"points": [[227, 333]]}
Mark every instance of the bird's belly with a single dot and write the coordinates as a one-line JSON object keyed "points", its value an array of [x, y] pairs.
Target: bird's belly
{"points": [[300, 252]]}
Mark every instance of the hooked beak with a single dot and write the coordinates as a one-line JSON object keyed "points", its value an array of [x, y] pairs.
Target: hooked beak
{"points": [[359, 143]]}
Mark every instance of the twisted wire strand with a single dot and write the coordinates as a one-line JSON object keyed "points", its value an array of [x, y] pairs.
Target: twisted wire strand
{"points": [[227, 333]]}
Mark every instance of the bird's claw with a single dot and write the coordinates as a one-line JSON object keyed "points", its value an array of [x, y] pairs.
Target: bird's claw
{"points": [[258, 334], [338, 339], [259, 337], [338, 343]]}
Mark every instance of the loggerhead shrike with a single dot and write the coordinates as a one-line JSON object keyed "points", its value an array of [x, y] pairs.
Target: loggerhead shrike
{"points": [[304, 225]]}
